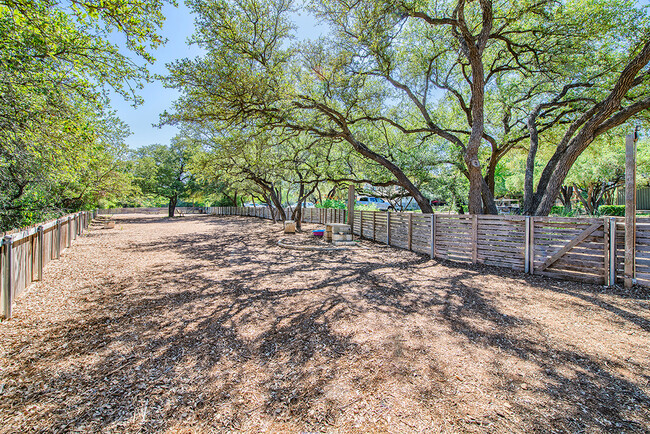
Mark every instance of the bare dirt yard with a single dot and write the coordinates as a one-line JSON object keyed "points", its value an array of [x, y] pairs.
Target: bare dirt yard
{"points": [[204, 324]]}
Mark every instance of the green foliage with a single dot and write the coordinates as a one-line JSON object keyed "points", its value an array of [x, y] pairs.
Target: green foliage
{"points": [[391, 81], [560, 211], [332, 203], [224, 201], [341, 204], [359, 207], [60, 147], [612, 210], [163, 171]]}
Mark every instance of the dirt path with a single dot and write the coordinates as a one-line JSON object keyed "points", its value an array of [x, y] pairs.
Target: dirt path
{"points": [[205, 324]]}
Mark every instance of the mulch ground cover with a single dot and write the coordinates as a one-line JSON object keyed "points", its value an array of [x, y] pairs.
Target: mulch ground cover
{"points": [[205, 324]]}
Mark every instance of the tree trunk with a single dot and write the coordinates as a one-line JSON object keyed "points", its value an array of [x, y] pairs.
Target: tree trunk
{"points": [[297, 213], [332, 193], [473, 47], [268, 203], [475, 199], [491, 171], [489, 207], [402, 179], [602, 117], [172, 205], [277, 202], [565, 196]]}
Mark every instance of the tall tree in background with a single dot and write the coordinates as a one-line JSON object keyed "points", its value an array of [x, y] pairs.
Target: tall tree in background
{"points": [[251, 73], [163, 171]]}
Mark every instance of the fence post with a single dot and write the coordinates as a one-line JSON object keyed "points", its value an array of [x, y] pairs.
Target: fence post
{"points": [[69, 231], [612, 251], [531, 237], [527, 246], [630, 211], [474, 238], [8, 278], [606, 251], [433, 236], [374, 225], [41, 252], [410, 231], [351, 197], [388, 228], [58, 238]]}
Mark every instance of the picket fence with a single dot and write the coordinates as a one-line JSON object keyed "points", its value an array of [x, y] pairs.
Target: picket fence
{"points": [[589, 250], [24, 253]]}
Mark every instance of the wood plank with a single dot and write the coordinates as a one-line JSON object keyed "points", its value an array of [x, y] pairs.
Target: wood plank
{"points": [[572, 276], [504, 250]]}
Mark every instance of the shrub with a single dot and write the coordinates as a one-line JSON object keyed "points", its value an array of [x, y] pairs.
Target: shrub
{"points": [[613, 210], [331, 203], [562, 212], [341, 204], [223, 201]]}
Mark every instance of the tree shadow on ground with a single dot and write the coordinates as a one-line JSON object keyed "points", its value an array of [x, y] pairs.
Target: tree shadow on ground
{"points": [[236, 330]]}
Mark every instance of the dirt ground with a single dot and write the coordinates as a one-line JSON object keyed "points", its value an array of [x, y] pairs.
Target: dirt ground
{"points": [[204, 324]]}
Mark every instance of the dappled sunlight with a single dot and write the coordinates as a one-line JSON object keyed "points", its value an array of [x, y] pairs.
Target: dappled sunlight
{"points": [[204, 323]]}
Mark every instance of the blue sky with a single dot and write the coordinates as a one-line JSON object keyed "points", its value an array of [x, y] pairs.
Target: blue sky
{"points": [[178, 27]]}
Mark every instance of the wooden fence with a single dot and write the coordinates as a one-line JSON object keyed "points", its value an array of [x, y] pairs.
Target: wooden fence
{"points": [[24, 253], [152, 210], [582, 249]]}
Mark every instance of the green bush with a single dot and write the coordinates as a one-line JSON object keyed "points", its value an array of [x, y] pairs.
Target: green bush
{"points": [[331, 203], [613, 210], [341, 204], [562, 212], [223, 201]]}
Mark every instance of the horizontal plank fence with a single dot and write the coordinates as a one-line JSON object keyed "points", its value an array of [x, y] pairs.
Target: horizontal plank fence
{"points": [[581, 249], [25, 253], [153, 210]]}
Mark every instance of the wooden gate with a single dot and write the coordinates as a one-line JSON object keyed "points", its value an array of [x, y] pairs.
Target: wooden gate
{"points": [[566, 248]]}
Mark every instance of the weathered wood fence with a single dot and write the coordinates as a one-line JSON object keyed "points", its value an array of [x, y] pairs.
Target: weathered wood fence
{"points": [[583, 249], [152, 210], [24, 253]]}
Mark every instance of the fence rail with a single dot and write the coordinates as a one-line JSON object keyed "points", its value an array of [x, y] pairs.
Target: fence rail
{"points": [[582, 249], [24, 253], [152, 210]]}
